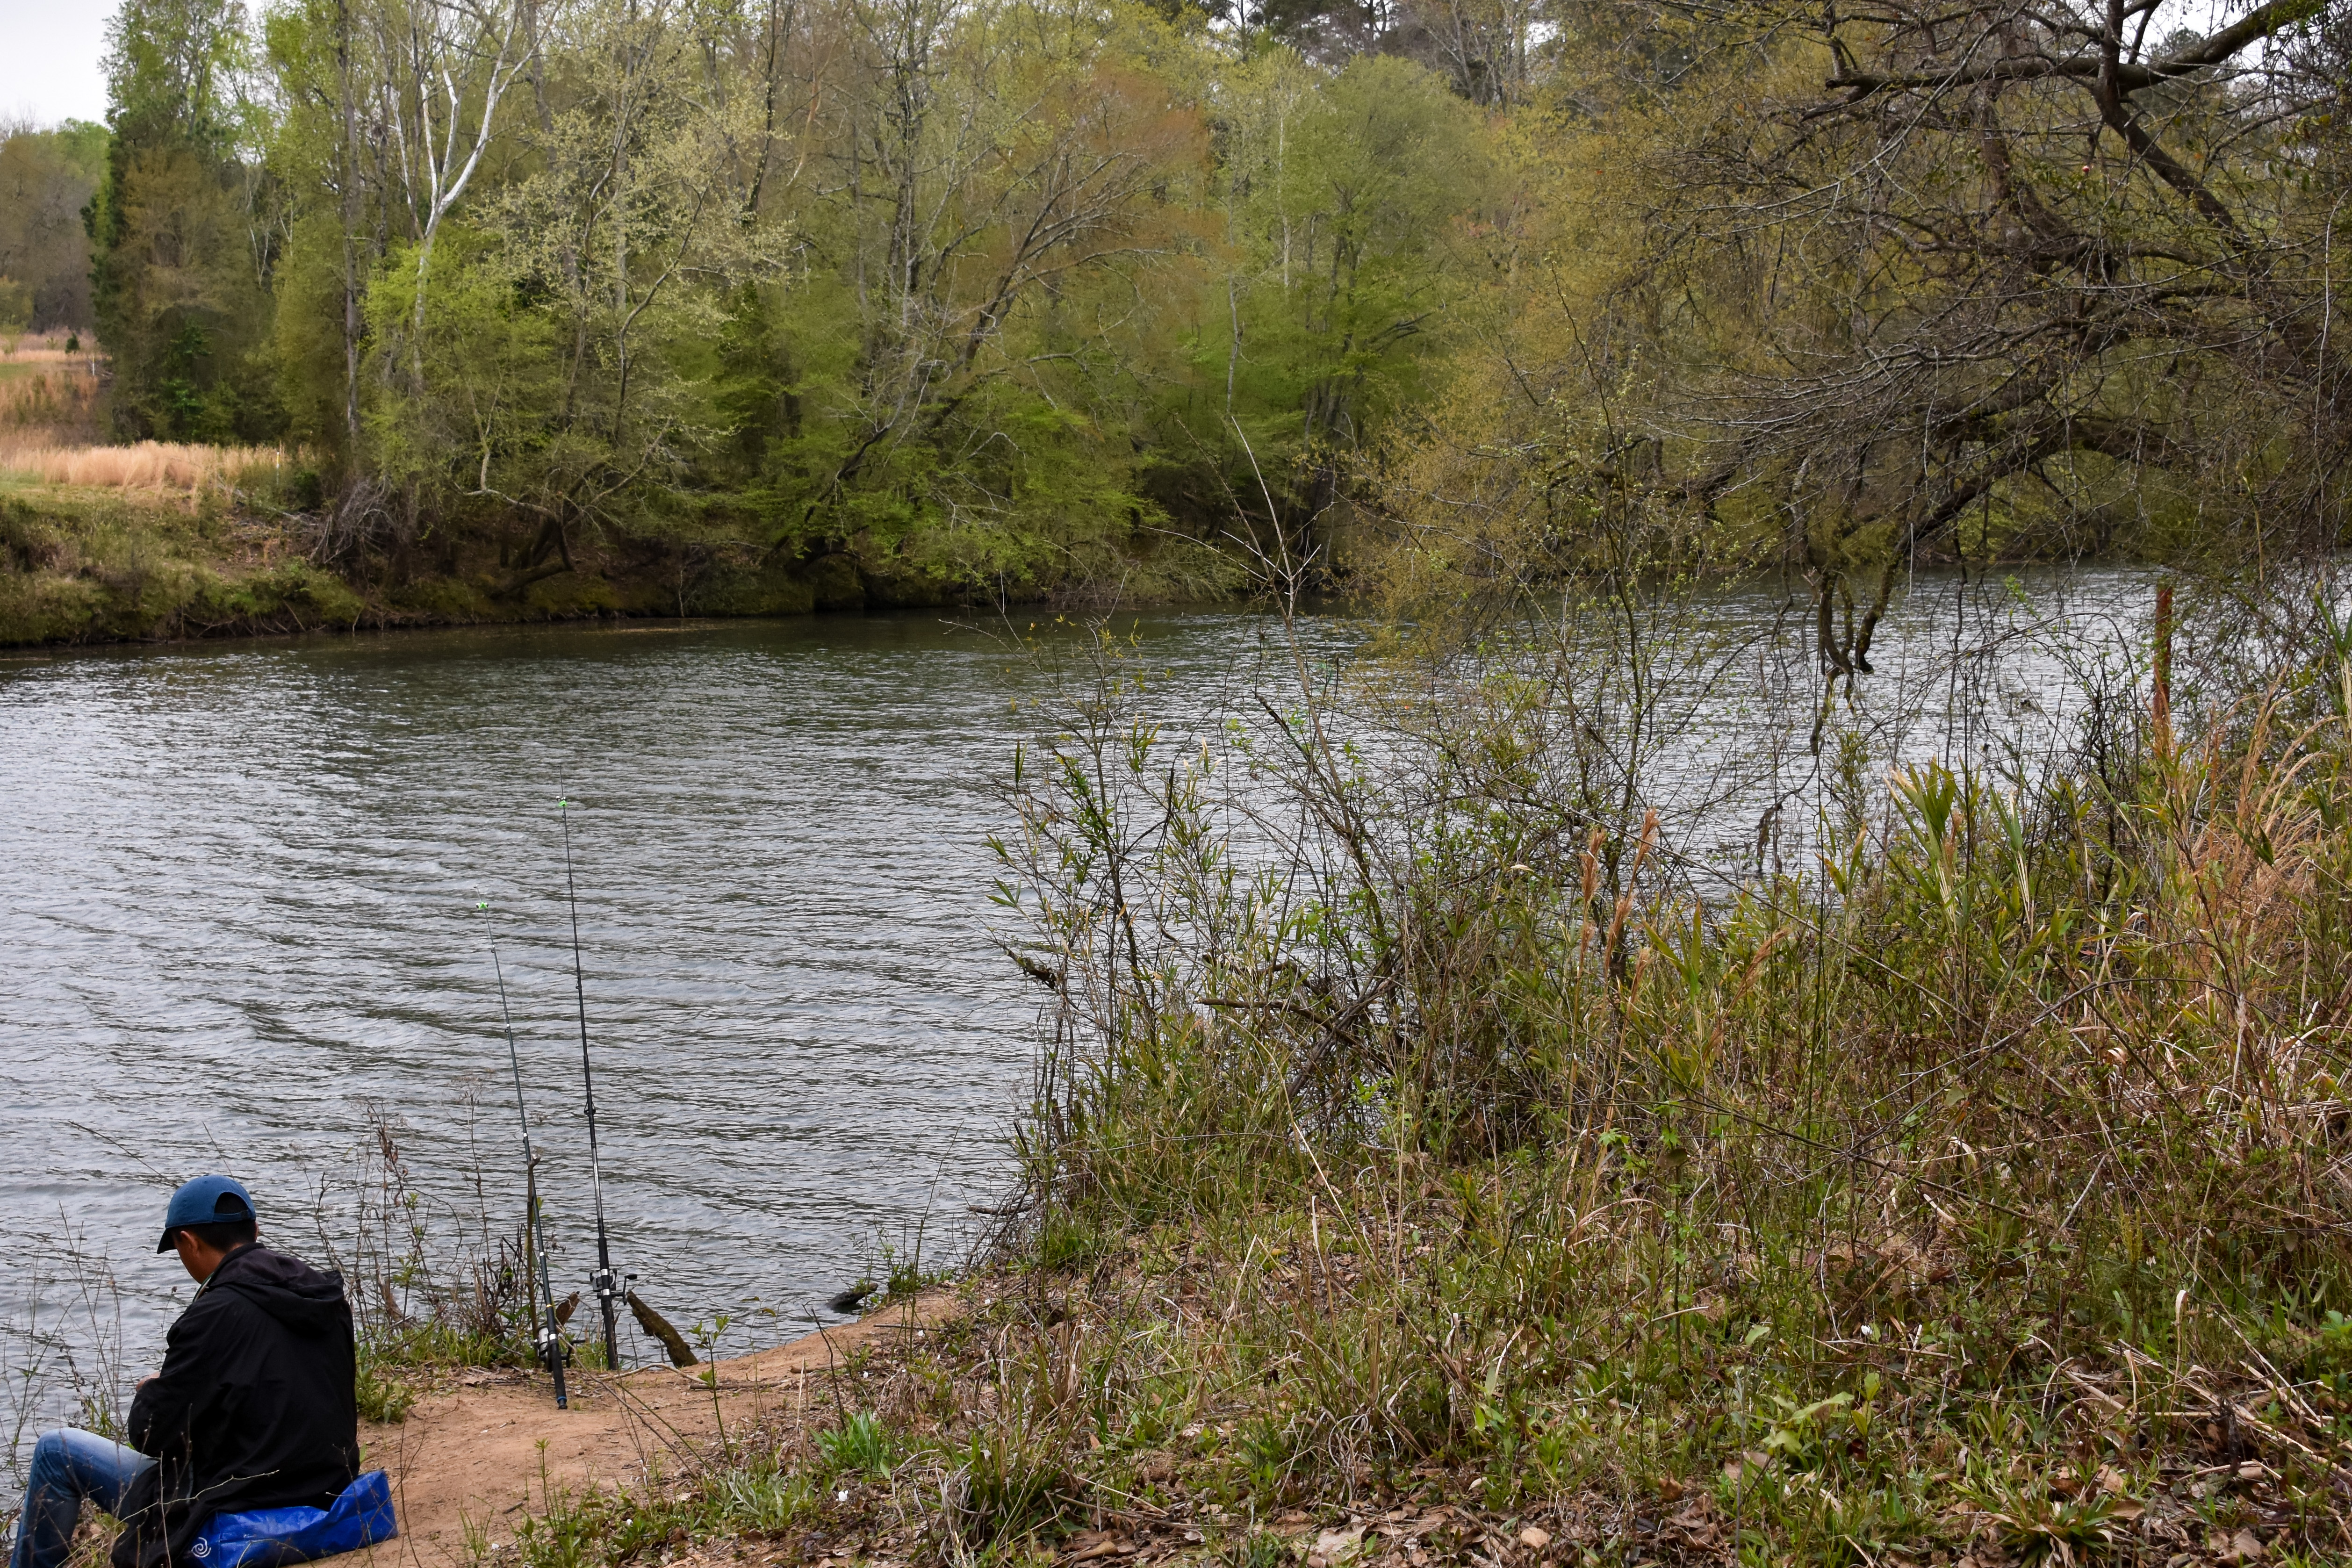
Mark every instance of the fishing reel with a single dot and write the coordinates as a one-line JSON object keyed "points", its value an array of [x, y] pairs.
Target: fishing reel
{"points": [[606, 1284]]}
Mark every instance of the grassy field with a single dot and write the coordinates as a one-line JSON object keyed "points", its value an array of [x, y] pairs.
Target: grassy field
{"points": [[159, 466], [102, 543], [48, 397]]}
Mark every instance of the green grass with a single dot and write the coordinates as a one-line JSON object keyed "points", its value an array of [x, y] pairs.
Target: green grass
{"points": [[860, 1445], [384, 1393], [90, 566]]}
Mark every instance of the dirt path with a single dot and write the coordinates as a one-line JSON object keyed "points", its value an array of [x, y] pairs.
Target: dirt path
{"points": [[469, 1457]]}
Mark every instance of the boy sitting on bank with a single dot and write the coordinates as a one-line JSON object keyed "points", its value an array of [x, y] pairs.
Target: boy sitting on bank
{"points": [[253, 1408]]}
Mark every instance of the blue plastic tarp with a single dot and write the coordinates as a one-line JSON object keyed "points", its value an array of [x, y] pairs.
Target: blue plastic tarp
{"points": [[272, 1537]]}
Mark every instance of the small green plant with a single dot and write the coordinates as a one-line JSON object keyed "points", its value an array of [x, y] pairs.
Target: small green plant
{"points": [[860, 1445], [382, 1397], [1259, 1549], [1068, 1242], [442, 1344], [1008, 1482], [1553, 1447], [2331, 1345], [566, 1531], [2040, 1526], [1800, 1434], [904, 1277], [98, 1414], [766, 1501], [1268, 1450]]}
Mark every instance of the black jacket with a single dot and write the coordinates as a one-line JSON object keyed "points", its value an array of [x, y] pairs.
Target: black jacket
{"points": [[254, 1407]]}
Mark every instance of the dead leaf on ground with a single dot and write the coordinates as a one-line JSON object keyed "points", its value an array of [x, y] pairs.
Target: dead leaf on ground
{"points": [[1336, 1546], [2243, 1547], [1696, 1520]]}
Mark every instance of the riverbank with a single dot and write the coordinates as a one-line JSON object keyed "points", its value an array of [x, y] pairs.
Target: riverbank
{"points": [[1469, 1170], [478, 1454], [88, 564], [1145, 1407], [1463, 1186]]}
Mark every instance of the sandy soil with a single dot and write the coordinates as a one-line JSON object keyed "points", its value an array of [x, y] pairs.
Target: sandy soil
{"points": [[474, 1456]]}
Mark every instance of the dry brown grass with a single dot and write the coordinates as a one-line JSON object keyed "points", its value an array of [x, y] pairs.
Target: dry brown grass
{"points": [[148, 465], [48, 348], [49, 398]]}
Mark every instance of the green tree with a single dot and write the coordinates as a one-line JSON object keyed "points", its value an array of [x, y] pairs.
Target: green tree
{"points": [[1349, 200], [922, 297], [959, 369], [46, 178], [1831, 295], [184, 246]]}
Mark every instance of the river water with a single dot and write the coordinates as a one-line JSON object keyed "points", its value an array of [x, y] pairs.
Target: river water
{"points": [[237, 913]]}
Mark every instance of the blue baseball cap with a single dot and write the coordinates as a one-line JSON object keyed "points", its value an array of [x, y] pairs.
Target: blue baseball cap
{"points": [[207, 1200]]}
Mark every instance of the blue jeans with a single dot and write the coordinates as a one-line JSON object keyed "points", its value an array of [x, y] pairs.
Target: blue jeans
{"points": [[68, 1466]]}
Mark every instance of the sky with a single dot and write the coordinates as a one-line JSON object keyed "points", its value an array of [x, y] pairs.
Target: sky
{"points": [[49, 53], [48, 59]]}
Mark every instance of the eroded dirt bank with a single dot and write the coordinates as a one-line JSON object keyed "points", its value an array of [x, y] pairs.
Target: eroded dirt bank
{"points": [[476, 1457]]}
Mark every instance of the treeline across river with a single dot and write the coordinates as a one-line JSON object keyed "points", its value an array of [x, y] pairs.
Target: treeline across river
{"points": [[782, 303]]}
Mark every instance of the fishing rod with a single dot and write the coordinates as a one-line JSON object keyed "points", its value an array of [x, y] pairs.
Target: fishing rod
{"points": [[603, 1283], [547, 1336]]}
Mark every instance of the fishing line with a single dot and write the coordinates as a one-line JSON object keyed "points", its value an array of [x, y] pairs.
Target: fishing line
{"points": [[602, 1283], [548, 1334]]}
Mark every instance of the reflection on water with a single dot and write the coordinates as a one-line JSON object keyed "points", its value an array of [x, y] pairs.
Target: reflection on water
{"points": [[238, 884]]}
